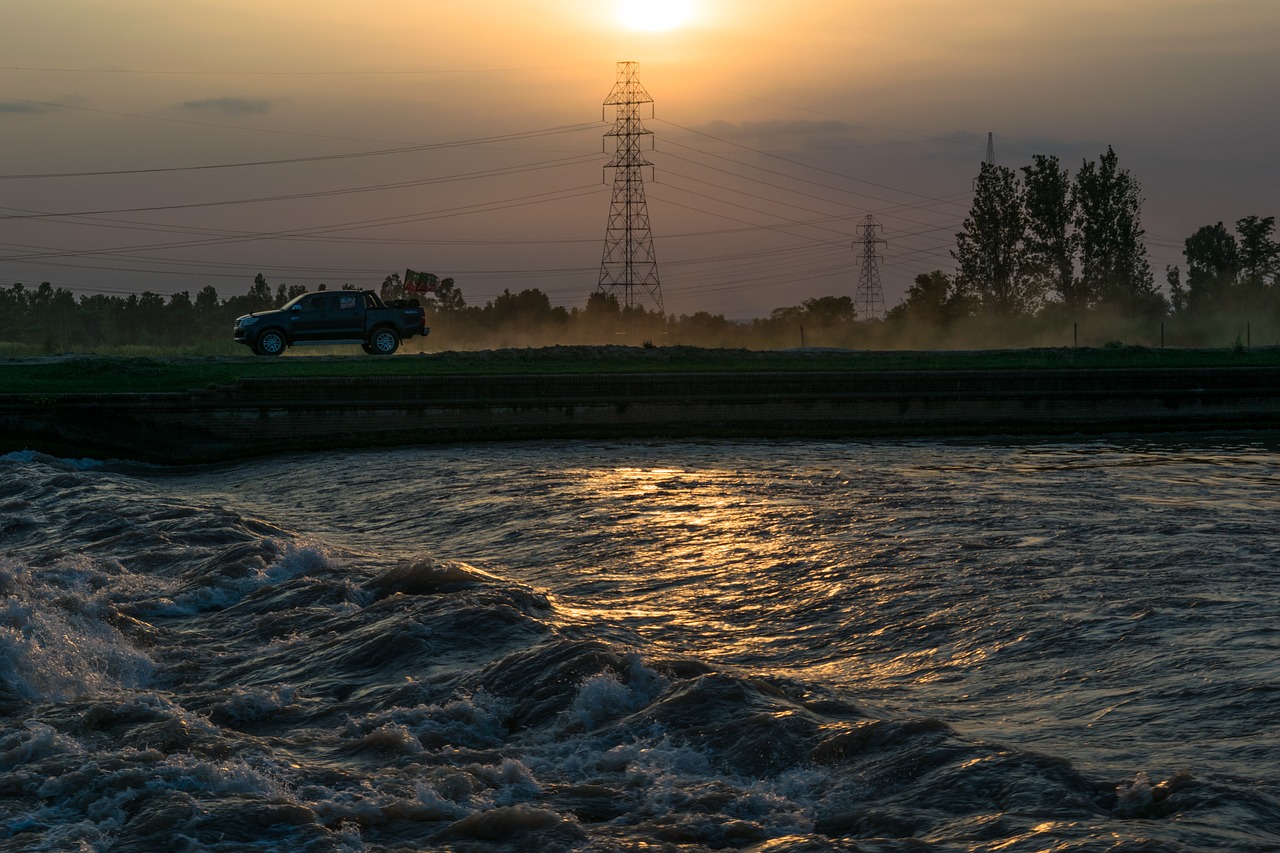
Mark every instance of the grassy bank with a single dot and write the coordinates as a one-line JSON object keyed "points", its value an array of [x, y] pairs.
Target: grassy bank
{"points": [[112, 374]]}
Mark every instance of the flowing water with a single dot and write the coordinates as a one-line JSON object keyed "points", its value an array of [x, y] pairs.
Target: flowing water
{"points": [[677, 646]]}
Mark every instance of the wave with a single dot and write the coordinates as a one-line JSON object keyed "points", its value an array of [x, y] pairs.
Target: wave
{"points": [[187, 674]]}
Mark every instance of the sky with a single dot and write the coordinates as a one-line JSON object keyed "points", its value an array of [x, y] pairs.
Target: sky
{"points": [[148, 145]]}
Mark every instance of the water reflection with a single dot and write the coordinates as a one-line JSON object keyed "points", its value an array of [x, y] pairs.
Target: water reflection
{"points": [[1060, 592]]}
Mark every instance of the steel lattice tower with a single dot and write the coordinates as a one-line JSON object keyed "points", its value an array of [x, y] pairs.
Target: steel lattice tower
{"points": [[869, 300], [629, 263]]}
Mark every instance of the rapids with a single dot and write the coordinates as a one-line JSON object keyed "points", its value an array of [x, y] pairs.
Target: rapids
{"points": [[683, 646]]}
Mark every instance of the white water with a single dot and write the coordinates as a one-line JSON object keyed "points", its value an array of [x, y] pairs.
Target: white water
{"points": [[794, 646]]}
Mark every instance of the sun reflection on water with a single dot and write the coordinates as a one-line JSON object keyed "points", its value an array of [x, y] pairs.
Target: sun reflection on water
{"points": [[718, 552]]}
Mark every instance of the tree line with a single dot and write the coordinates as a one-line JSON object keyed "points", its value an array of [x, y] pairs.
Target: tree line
{"points": [[1040, 252], [1040, 244], [51, 319]]}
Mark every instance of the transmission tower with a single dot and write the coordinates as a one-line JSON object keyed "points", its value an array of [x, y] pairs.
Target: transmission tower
{"points": [[869, 300], [991, 149], [628, 263]]}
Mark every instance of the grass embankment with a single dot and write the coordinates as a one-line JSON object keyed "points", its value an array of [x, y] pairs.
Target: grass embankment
{"points": [[114, 374]]}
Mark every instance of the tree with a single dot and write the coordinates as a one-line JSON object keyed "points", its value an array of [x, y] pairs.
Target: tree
{"points": [[1213, 261], [210, 314], [529, 308], [179, 318], [59, 315], [704, 322], [449, 298], [1259, 255], [259, 296], [1050, 244], [932, 300], [792, 314], [286, 292], [206, 303], [1108, 219], [13, 313], [392, 288], [829, 310], [990, 250], [97, 319], [1179, 298]]}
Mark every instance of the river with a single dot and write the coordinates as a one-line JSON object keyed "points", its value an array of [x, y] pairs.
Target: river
{"points": [[623, 646]]}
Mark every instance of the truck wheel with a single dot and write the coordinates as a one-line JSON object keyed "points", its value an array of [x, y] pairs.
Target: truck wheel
{"points": [[271, 343], [384, 342]]}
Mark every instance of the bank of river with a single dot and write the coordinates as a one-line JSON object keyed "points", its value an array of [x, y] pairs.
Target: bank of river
{"points": [[256, 416], [139, 374]]}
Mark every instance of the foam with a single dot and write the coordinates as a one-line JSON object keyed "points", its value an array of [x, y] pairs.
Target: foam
{"points": [[247, 705], [56, 637], [462, 722], [33, 742], [292, 559]]}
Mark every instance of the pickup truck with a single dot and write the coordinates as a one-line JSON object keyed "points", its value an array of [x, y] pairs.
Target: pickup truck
{"points": [[332, 317]]}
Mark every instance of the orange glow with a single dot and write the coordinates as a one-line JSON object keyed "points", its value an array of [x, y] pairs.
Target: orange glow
{"points": [[655, 15]]}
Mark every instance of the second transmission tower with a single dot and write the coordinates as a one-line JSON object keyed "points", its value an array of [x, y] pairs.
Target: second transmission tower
{"points": [[629, 263], [868, 302]]}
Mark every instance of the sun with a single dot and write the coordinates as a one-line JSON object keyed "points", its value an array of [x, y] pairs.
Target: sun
{"points": [[655, 15]]}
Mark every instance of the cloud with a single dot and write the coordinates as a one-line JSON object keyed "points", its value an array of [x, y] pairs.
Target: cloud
{"points": [[780, 130], [969, 147], [26, 107], [229, 106]]}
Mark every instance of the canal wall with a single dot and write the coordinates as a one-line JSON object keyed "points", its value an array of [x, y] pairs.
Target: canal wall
{"points": [[260, 416]]}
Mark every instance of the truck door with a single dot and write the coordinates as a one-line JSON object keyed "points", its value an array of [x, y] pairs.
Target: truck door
{"points": [[309, 318], [348, 315]]}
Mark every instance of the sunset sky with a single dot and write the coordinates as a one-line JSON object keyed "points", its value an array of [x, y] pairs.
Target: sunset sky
{"points": [[166, 146]]}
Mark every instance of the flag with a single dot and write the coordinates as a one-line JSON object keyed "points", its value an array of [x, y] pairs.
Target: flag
{"points": [[419, 282]]}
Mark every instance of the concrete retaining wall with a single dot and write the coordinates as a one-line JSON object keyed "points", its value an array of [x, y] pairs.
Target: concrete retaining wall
{"points": [[271, 415]]}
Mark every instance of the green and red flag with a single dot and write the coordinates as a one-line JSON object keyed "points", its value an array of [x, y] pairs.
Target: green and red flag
{"points": [[419, 282]]}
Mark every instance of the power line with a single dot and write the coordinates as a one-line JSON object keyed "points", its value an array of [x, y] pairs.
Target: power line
{"points": [[488, 173], [410, 149], [818, 169], [521, 201], [160, 72]]}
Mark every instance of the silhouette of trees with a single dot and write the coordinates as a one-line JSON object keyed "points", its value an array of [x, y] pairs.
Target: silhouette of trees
{"points": [[259, 297], [829, 310], [1213, 261], [392, 288], [1049, 241], [819, 312], [602, 313], [932, 300], [1113, 259], [448, 298], [1226, 273], [1259, 255], [991, 250]]}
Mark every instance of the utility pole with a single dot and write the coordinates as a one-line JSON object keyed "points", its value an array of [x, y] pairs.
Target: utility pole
{"points": [[868, 302], [629, 263]]}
